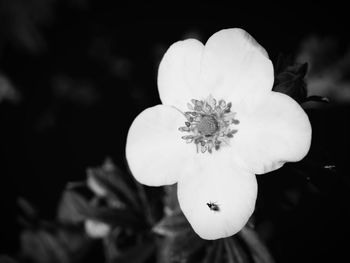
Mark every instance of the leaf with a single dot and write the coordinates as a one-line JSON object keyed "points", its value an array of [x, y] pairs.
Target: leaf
{"points": [[137, 254], [282, 63], [42, 247], [114, 217], [27, 208], [74, 241], [219, 251], [110, 177], [171, 203], [211, 253], [172, 225], [6, 259], [258, 250], [54, 244], [235, 251], [71, 207], [74, 209], [290, 81], [229, 251], [28, 216], [179, 248]]}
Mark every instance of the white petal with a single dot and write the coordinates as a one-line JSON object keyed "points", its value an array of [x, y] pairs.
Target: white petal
{"points": [[231, 66], [178, 72], [218, 180], [275, 131], [235, 67], [155, 152]]}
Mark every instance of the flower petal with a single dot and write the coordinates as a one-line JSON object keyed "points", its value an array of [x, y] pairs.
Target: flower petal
{"points": [[235, 67], [275, 131], [178, 72], [155, 152], [216, 179]]}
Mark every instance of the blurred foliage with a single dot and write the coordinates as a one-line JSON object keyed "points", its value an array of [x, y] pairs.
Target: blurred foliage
{"points": [[135, 233], [8, 91], [23, 22], [329, 61], [290, 80]]}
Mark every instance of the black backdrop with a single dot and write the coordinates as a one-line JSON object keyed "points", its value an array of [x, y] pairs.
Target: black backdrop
{"points": [[85, 69]]}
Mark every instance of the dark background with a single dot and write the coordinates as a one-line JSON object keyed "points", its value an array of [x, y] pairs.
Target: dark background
{"points": [[83, 70]]}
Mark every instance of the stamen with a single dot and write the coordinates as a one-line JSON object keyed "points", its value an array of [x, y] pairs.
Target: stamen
{"points": [[207, 125], [210, 124]]}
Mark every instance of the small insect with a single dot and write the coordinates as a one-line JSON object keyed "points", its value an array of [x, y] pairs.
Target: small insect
{"points": [[213, 206]]}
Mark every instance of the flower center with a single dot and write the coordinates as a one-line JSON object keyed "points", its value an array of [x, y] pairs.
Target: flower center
{"points": [[209, 123]]}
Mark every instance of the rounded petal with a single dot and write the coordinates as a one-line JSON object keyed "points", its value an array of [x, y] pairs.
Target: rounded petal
{"points": [[155, 152], [235, 67], [178, 72], [273, 132], [217, 180]]}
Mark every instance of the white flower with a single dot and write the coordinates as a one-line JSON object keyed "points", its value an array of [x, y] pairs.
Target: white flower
{"points": [[218, 126]]}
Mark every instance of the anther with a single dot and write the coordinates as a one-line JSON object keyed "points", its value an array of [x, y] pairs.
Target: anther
{"points": [[208, 125]]}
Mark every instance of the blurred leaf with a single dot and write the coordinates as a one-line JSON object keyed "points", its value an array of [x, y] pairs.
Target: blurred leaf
{"points": [[8, 91], [24, 20], [27, 208], [114, 217], [231, 258], [283, 61], [63, 245], [211, 253], [97, 229], [147, 205], [80, 91], [180, 247], [74, 208], [111, 249], [180, 242], [219, 251], [137, 254], [42, 247], [28, 216], [71, 205], [171, 203], [110, 177], [73, 240], [235, 251], [290, 81], [6, 259], [172, 225], [258, 250]]}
